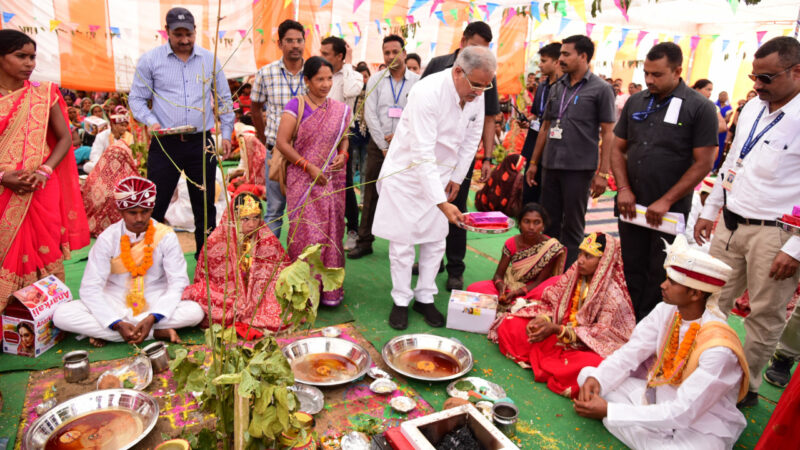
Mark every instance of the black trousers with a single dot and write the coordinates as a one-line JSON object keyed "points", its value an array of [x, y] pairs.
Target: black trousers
{"points": [[565, 196], [369, 175], [350, 202], [643, 258], [531, 194], [457, 237], [187, 153]]}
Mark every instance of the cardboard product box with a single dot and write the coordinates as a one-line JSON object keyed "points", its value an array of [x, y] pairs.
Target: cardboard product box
{"points": [[471, 311], [424, 432], [28, 320]]}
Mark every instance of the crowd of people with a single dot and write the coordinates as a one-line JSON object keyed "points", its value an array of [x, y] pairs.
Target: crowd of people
{"points": [[634, 334]]}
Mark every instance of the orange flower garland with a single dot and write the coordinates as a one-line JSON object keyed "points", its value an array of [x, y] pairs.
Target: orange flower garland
{"points": [[567, 334], [127, 259], [672, 360]]}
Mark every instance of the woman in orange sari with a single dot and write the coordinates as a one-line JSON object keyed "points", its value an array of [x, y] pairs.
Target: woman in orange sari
{"points": [[41, 211]]}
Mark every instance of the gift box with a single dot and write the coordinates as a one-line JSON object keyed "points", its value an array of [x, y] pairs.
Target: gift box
{"points": [[28, 319], [471, 311]]}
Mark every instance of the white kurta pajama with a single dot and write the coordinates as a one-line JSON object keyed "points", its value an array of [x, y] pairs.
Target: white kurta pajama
{"points": [[701, 413], [103, 294], [434, 144]]}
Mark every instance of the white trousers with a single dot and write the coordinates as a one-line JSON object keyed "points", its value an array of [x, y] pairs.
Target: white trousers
{"points": [[401, 258], [632, 392], [76, 318]]}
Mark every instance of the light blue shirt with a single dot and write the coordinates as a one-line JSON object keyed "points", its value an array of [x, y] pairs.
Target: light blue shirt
{"points": [[181, 89]]}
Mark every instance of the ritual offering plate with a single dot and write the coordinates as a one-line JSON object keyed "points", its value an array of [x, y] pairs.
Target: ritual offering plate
{"points": [[110, 419], [486, 389], [183, 129], [136, 375], [403, 404], [790, 226], [487, 222], [427, 357], [376, 372], [311, 399], [324, 361]]}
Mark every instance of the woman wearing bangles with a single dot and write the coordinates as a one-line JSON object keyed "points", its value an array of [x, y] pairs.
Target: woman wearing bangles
{"points": [[580, 320], [315, 177], [41, 211]]}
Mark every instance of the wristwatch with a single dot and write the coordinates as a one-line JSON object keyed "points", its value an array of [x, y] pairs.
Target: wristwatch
{"points": [[603, 175]]}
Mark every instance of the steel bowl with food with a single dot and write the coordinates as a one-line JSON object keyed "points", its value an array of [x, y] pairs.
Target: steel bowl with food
{"points": [[327, 361], [105, 419], [427, 357]]}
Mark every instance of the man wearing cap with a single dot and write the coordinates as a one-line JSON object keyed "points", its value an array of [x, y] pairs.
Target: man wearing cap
{"points": [[131, 288], [177, 78], [117, 130], [664, 144], [688, 397]]}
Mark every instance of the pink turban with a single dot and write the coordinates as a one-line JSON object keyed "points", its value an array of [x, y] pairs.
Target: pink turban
{"points": [[135, 192]]}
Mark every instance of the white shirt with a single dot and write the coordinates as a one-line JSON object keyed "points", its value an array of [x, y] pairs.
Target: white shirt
{"points": [[380, 98], [104, 293], [704, 402], [347, 85], [434, 144], [100, 144], [691, 221], [766, 186]]}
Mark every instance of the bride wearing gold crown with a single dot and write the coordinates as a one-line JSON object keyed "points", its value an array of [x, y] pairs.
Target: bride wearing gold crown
{"points": [[246, 295]]}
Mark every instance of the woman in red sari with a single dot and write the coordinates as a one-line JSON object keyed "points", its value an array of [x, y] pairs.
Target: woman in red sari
{"points": [[581, 319], [246, 295], [41, 211]]}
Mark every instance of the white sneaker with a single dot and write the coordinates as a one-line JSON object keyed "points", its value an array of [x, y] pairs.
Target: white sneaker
{"points": [[350, 242]]}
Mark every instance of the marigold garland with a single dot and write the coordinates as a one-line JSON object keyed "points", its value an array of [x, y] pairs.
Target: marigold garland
{"points": [[567, 334], [127, 259], [673, 357]]}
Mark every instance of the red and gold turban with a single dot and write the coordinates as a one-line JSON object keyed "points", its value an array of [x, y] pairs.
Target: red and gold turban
{"points": [[135, 192]]}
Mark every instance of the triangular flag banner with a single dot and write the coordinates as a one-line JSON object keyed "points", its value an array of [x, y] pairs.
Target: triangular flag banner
{"points": [[739, 48], [400, 21], [694, 42], [323, 3], [676, 38], [350, 25], [639, 38], [319, 33], [221, 34], [260, 31], [410, 19], [561, 7], [433, 7], [163, 34], [485, 10], [358, 38], [417, 4], [388, 22], [606, 32], [725, 43], [356, 4], [419, 44], [714, 37], [358, 27], [624, 34], [339, 27], [454, 13], [378, 24], [511, 13], [114, 31], [535, 11], [760, 36], [564, 23], [54, 25], [93, 28], [440, 16], [286, 3], [589, 28], [734, 5], [490, 7], [387, 6], [433, 46], [580, 8], [242, 33], [7, 16], [624, 11]]}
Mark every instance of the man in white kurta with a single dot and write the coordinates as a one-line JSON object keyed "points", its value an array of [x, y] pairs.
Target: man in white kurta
{"points": [[427, 160], [699, 411], [103, 313]]}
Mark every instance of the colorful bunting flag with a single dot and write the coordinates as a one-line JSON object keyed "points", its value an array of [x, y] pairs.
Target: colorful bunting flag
{"points": [[54, 24], [387, 6], [589, 28], [760, 36], [163, 34], [535, 11], [114, 31], [242, 33], [410, 19], [358, 38], [93, 28], [221, 34], [433, 8], [580, 8], [485, 10], [356, 4], [433, 46], [440, 16], [7, 16], [358, 27], [564, 22], [725, 43], [323, 3], [417, 4], [286, 3], [676, 38], [624, 12], [378, 24], [339, 27], [606, 32], [734, 5], [694, 42], [511, 13], [260, 31], [454, 13], [641, 36]]}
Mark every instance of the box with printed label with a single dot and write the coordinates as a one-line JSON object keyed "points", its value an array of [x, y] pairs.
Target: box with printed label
{"points": [[28, 320], [471, 311]]}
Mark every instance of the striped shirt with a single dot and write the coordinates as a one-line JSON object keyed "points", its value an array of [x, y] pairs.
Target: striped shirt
{"points": [[182, 90], [275, 86]]}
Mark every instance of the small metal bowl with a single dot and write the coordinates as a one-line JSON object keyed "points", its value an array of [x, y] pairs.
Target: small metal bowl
{"points": [[311, 399], [331, 332], [400, 344], [376, 373], [403, 404], [354, 352], [127, 399], [383, 386]]}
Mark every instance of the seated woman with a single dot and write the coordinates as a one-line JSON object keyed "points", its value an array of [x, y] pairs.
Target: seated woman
{"points": [[531, 256], [115, 163], [250, 299], [250, 175], [104, 139], [580, 320]]}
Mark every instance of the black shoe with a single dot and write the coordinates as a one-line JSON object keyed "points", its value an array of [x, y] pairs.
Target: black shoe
{"points": [[455, 283], [398, 319], [359, 252], [432, 316], [751, 399], [779, 371], [415, 268]]}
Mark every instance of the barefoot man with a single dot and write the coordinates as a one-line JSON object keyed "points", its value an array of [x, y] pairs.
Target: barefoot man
{"points": [[131, 288]]}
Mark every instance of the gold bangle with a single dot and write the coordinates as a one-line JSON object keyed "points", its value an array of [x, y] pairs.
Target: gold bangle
{"points": [[604, 175], [546, 318], [561, 333]]}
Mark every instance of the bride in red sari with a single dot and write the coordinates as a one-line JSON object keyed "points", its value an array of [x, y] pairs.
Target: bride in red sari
{"points": [[41, 210], [581, 319]]}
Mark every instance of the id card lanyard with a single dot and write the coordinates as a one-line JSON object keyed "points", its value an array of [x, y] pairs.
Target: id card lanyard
{"points": [[751, 141], [293, 90], [562, 107], [641, 116], [396, 96]]}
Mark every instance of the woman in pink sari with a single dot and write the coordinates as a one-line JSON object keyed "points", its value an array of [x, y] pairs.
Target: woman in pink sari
{"points": [[246, 295], [315, 177], [41, 212]]}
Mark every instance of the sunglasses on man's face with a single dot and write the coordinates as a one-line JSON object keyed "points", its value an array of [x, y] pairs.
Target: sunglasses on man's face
{"points": [[767, 78]]}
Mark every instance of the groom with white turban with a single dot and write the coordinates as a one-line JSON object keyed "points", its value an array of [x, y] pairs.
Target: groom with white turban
{"points": [[132, 285]]}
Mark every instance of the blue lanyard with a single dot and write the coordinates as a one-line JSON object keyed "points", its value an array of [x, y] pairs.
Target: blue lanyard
{"points": [[751, 141], [396, 97], [642, 115], [542, 99], [562, 108], [291, 89]]}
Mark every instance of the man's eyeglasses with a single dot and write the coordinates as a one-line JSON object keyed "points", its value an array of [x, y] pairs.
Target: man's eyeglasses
{"points": [[767, 78], [478, 88]]}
